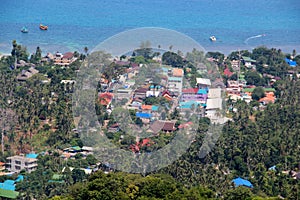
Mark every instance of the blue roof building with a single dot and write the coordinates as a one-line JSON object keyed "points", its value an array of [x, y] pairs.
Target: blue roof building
{"points": [[242, 182], [188, 104], [32, 155], [202, 91], [291, 62], [144, 115], [155, 108]]}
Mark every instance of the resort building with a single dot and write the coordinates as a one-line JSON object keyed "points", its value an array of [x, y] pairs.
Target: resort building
{"points": [[18, 163], [64, 59]]}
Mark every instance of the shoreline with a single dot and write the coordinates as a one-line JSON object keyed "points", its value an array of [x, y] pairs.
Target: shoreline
{"points": [[226, 50]]}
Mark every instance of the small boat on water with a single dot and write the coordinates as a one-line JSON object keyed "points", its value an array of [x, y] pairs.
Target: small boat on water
{"points": [[43, 27], [213, 38], [24, 30]]}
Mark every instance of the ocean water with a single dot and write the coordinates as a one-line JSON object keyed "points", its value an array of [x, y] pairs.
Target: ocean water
{"points": [[76, 24]]}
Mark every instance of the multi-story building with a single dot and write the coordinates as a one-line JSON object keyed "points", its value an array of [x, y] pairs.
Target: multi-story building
{"points": [[175, 85], [194, 94], [18, 163]]}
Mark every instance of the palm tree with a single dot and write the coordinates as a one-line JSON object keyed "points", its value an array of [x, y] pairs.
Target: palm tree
{"points": [[86, 50], [294, 53]]}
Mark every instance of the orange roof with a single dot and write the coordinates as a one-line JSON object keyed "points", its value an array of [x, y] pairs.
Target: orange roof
{"points": [[2, 163], [146, 107], [105, 98], [177, 72], [267, 99], [67, 155]]}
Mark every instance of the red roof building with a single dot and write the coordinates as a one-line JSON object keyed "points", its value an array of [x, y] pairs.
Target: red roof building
{"points": [[105, 98], [227, 72], [190, 90]]}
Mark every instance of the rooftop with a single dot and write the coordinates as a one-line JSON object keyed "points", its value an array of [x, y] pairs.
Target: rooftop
{"points": [[175, 78], [177, 72], [8, 194], [203, 81], [144, 115], [162, 125], [248, 59], [242, 182]]}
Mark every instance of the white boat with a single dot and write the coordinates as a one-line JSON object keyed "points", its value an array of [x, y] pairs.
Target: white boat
{"points": [[213, 38]]}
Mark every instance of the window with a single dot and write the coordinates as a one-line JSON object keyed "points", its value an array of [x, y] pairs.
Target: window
{"points": [[18, 167], [17, 162]]}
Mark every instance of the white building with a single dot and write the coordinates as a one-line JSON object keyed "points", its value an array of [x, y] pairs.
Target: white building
{"points": [[214, 93], [18, 163], [203, 82], [175, 85]]}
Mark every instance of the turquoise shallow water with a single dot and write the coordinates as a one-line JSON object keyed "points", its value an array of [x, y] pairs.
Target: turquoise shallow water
{"points": [[75, 24]]}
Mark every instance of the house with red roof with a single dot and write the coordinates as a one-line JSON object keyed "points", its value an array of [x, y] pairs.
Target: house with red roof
{"points": [[138, 145], [227, 72], [269, 98], [105, 98], [167, 95]]}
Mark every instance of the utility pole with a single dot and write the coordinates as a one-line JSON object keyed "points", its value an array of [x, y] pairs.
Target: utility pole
{"points": [[3, 117]]}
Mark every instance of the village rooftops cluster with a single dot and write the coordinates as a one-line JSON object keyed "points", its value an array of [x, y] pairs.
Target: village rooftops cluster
{"points": [[167, 95]]}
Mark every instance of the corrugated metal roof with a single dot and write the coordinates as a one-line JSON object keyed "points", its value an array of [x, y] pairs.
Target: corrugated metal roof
{"points": [[144, 115], [203, 81]]}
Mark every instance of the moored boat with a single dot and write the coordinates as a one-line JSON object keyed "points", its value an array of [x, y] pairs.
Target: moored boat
{"points": [[43, 27], [213, 38], [24, 30]]}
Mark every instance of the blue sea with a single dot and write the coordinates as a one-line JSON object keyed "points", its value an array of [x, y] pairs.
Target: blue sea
{"points": [[79, 23]]}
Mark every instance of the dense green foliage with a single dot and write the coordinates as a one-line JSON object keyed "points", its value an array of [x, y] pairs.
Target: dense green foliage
{"points": [[40, 118]]}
